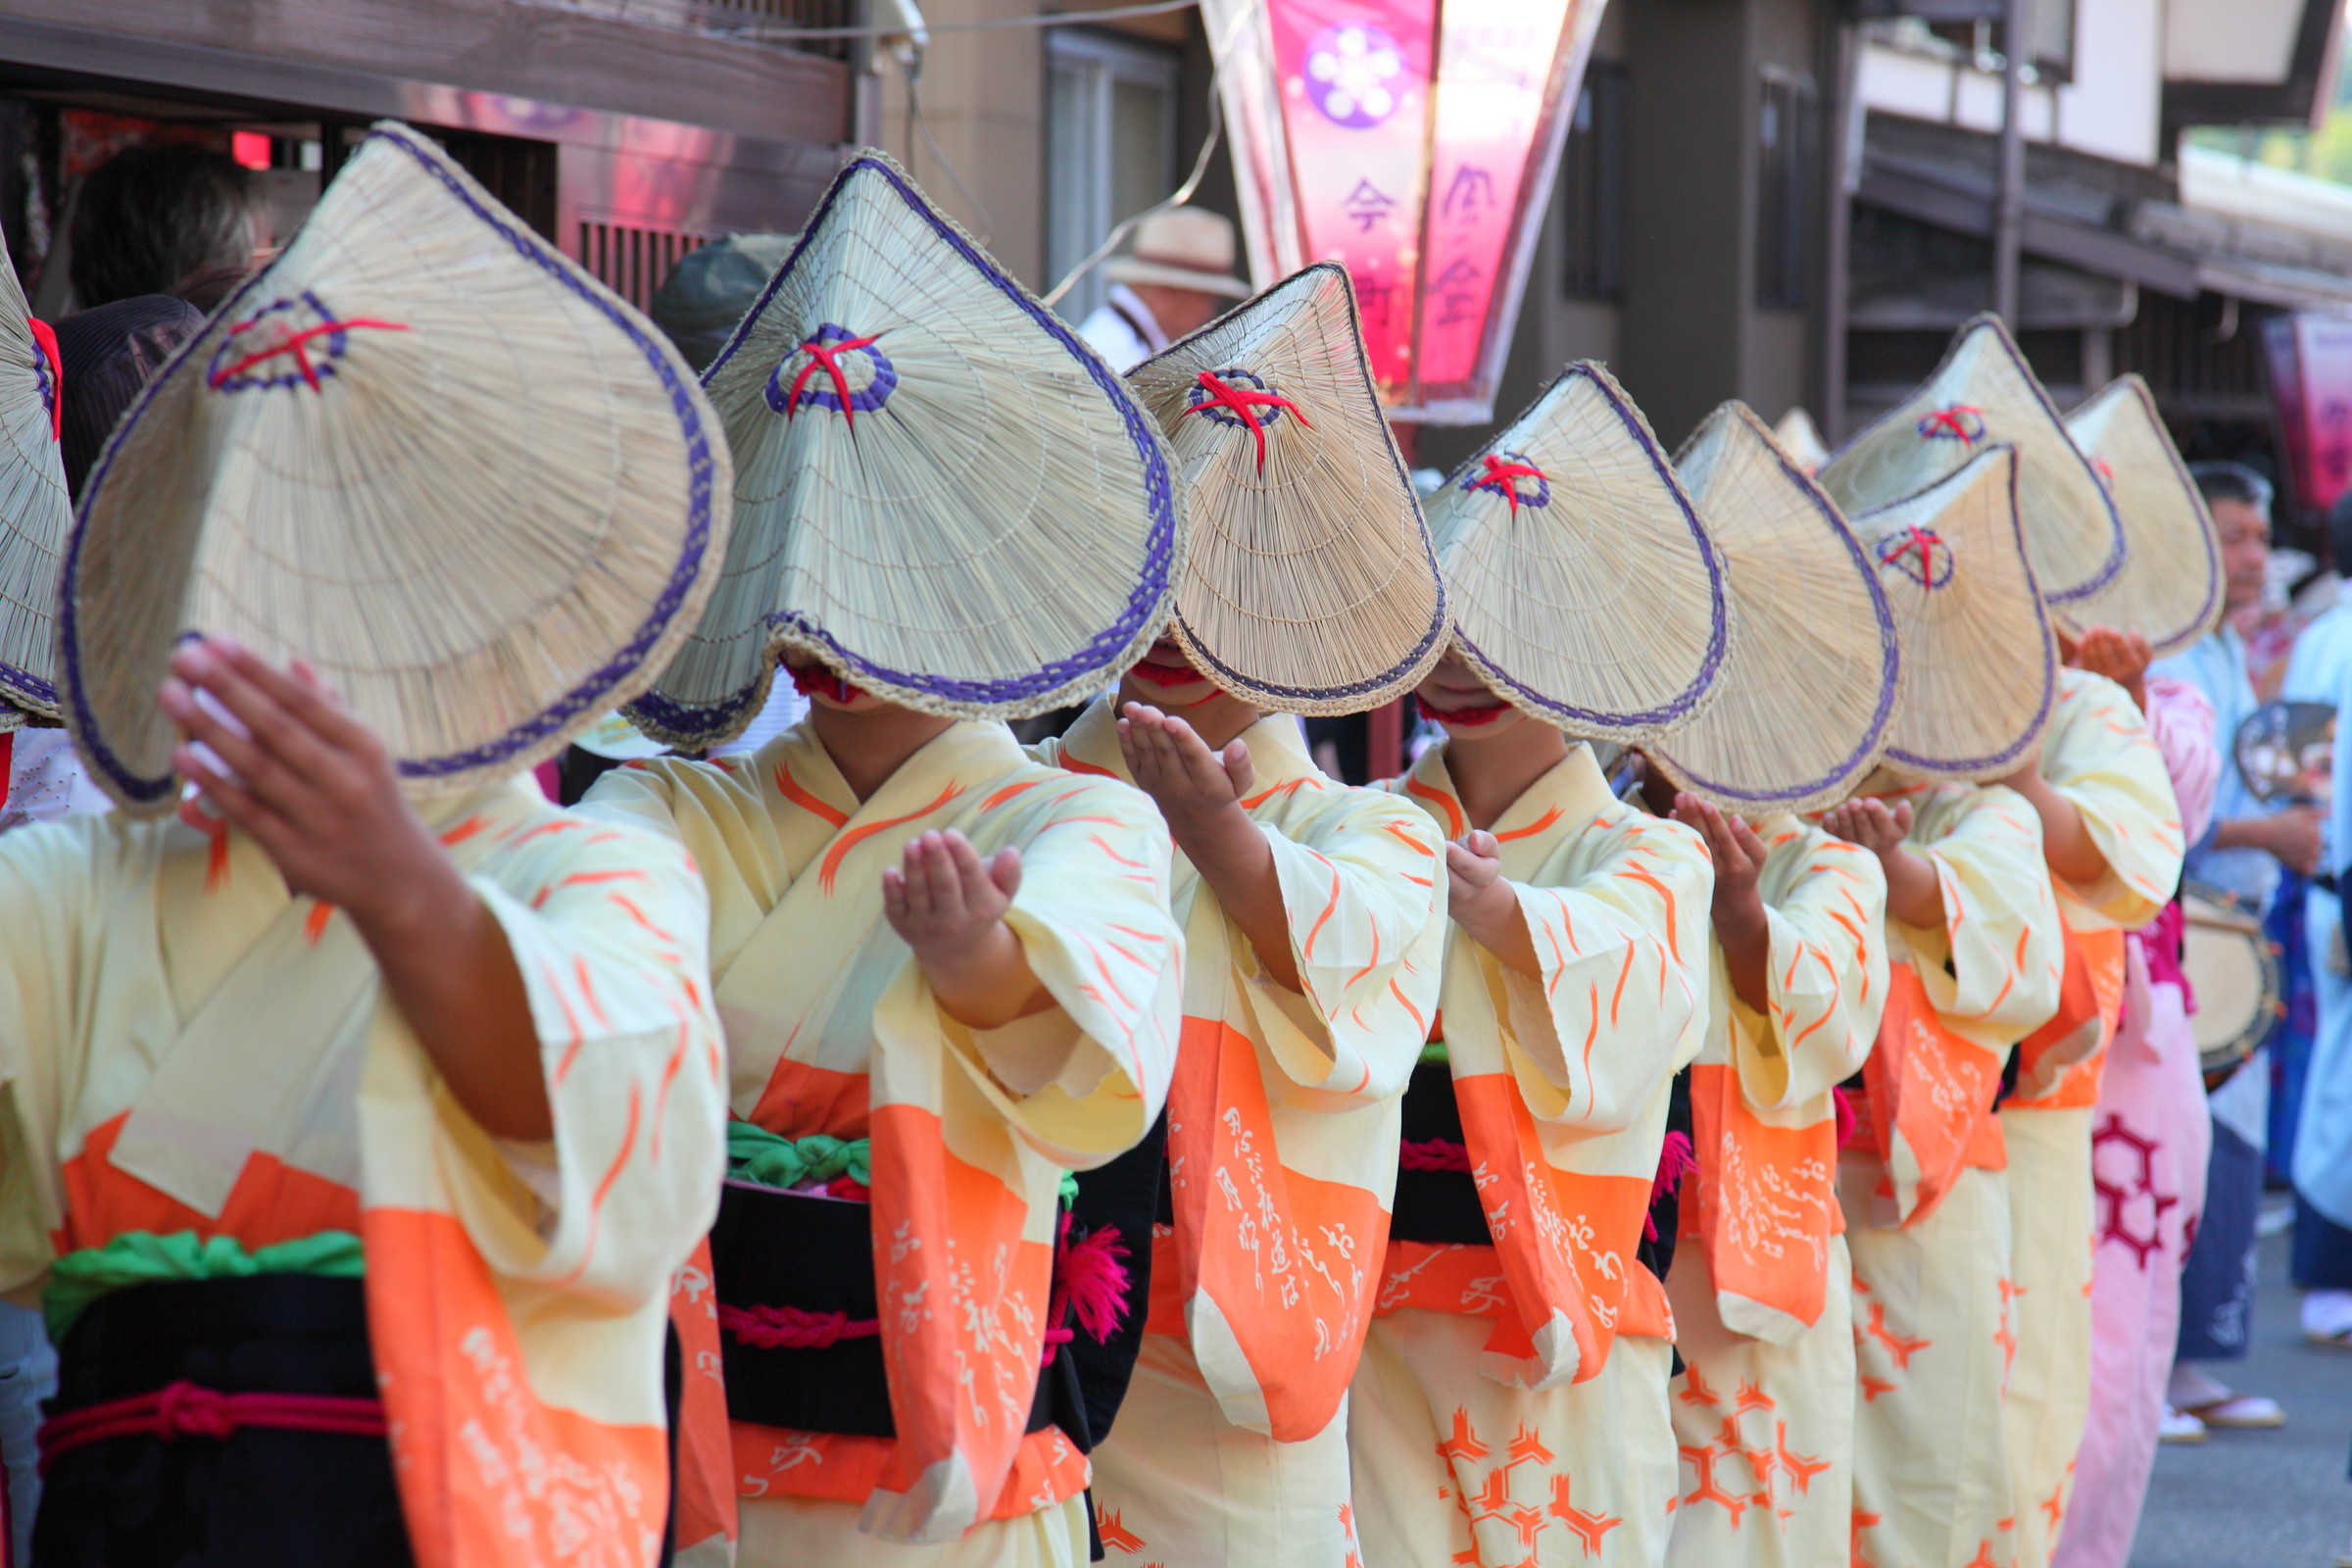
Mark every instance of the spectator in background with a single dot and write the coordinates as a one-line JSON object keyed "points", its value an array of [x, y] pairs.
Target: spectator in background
{"points": [[105, 356], [2320, 671], [156, 220], [1179, 279], [2241, 854]]}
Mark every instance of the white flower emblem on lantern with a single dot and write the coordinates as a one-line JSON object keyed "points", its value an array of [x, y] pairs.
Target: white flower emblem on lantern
{"points": [[1350, 69]]}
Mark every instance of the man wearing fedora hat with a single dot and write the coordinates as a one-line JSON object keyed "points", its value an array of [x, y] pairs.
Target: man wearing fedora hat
{"points": [[1177, 282]]}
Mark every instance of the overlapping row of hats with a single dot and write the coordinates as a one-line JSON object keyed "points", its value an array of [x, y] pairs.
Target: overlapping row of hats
{"points": [[431, 455]]}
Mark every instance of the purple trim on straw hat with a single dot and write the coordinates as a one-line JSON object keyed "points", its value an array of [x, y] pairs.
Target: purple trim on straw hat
{"points": [[1435, 629], [1101, 650], [1889, 663], [592, 695], [1719, 630], [1977, 766], [2114, 563]]}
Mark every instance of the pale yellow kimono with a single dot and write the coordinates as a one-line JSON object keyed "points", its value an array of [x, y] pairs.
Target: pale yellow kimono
{"points": [[2099, 755], [1926, 1195], [189, 1049], [1762, 1283], [831, 1029], [1231, 1448], [1511, 1407]]}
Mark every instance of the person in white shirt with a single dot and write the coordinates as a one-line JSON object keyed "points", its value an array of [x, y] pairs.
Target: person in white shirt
{"points": [[1179, 279]]}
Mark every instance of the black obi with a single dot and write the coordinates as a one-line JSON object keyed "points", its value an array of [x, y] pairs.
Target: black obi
{"points": [[288, 1498], [815, 1253]]}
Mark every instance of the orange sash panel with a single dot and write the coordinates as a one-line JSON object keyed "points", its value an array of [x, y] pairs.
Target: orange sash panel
{"points": [[1290, 1261], [489, 1475], [1767, 1198], [1930, 1098], [706, 1479], [2061, 1064], [962, 1301], [1566, 1240], [846, 1467], [1468, 1280]]}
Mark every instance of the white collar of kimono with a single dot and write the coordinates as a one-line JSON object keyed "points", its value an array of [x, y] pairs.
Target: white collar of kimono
{"points": [[1573, 792], [967, 752], [1277, 745]]}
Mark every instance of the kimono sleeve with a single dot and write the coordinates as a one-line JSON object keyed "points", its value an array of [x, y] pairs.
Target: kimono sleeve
{"points": [[2181, 724], [609, 926], [1085, 1081], [1997, 960], [58, 884], [1363, 879], [1826, 973], [2108, 765], [1622, 1002]]}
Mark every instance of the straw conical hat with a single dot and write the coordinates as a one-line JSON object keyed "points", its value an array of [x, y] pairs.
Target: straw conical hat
{"points": [[1807, 702], [1801, 439], [1985, 393], [2170, 590], [1585, 587], [939, 490], [1980, 665], [425, 452], [34, 512], [1310, 587]]}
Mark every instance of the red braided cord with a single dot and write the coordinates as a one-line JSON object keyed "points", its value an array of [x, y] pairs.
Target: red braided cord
{"points": [[1505, 474], [789, 1328], [825, 354], [1949, 420], [184, 1409], [296, 345], [1438, 1153], [1241, 400]]}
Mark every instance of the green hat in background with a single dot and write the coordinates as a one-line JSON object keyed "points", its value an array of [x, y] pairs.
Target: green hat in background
{"points": [[706, 293]]}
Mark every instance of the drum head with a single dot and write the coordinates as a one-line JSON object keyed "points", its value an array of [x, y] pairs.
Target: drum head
{"points": [[2233, 977]]}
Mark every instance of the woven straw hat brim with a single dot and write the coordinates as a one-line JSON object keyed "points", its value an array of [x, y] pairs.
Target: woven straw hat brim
{"points": [[2170, 590], [1139, 270], [1585, 586], [1983, 394], [1980, 664], [421, 450], [1806, 703], [36, 515], [1801, 439], [950, 500], [1309, 585]]}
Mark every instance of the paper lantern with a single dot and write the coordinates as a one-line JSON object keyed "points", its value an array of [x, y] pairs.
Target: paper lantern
{"points": [[1414, 142]]}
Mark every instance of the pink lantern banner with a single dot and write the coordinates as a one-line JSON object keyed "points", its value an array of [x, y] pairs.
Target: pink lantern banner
{"points": [[1413, 141], [2310, 355]]}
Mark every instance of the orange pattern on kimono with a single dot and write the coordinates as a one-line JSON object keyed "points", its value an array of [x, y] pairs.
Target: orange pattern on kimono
{"points": [[1562, 1080], [832, 1029], [1763, 1204], [190, 1048], [1283, 1120], [1959, 995], [2099, 755]]}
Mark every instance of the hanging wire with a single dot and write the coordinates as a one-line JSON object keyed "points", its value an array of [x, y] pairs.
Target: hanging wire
{"points": [[911, 65], [1050, 18], [1184, 193]]}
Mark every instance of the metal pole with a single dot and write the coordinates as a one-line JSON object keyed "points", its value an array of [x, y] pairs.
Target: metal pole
{"points": [[1843, 175], [2009, 201]]}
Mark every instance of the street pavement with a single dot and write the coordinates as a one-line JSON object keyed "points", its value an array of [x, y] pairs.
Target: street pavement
{"points": [[2262, 1499]]}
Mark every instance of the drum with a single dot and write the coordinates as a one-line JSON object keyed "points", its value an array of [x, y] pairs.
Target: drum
{"points": [[2233, 977]]}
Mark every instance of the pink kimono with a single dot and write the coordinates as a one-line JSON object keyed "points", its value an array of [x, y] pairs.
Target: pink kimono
{"points": [[2149, 1148]]}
